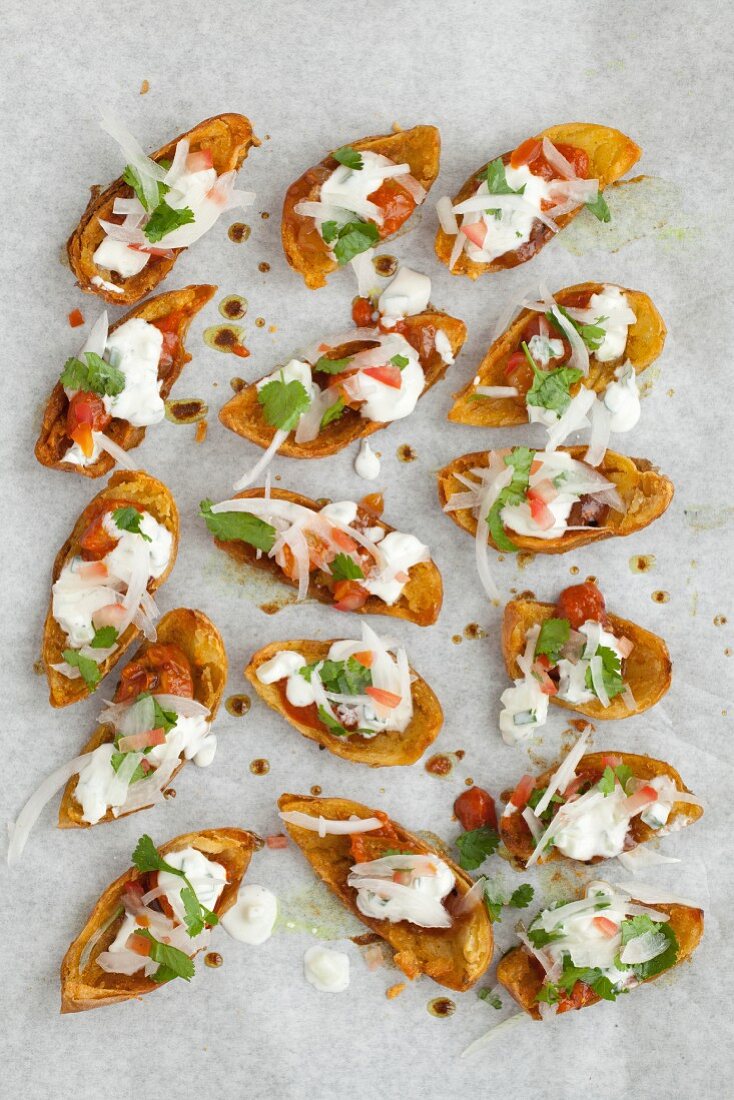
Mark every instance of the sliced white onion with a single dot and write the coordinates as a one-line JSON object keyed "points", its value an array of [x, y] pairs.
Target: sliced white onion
{"points": [[579, 352], [254, 472], [556, 160], [364, 272], [460, 243], [325, 826], [415, 189], [123, 233], [30, 813], [96, 342], [495, 1032], [597, 679], [628, 698], [120, 781], [642, 857], [471, 899], [642, 949], [572, 419], [532, 822], [148, 170], [654, 895], [144, 623], [601, 429], [564, 773], [178, 164], [446, 217], [323, 211], [497, 392], [187, 708]]}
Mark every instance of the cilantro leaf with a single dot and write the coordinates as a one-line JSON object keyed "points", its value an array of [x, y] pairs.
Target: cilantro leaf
{"points": [[540, 938], [548, 994], [174, 963], [624, 774], [494, 905], [349, 157], [521, 459], [193, 917], [333, 413], [599, 208], [331, 366], [116, 762], [88, 669], [588, 975], [637, 926], [495, 902], [554, 633], [131, 177], [551, 388], [490, 997], [97, 376], [475, 845], [331, 724], [162, 719], [348, 677], [283, 402], [354, 238], [496, 177], [611, 672], [608, 781], [146, 857], [165, 219], [74, 374], [329, 231], [521, 897], [633, 927], [104, 637], [239, 526], [344, 568], [592, 335], [400, 361], [129, 519]]}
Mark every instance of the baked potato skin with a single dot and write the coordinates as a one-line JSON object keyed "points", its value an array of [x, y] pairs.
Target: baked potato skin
{"points": [[522, 975], [228, 136], [647, 670], [94, 988], [645, 342], [154, 497], [454, 957], [305, 251], [243, 413], [53, 442], [388, 749], [198, 638], [611, 154], [517, 837], [420, 601], [645, 491]]}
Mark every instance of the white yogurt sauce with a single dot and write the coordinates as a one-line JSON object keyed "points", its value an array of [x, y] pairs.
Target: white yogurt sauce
{"points": [[119, 257], [407, 293], [597, 830], [622, 399], [612, 305], [207, 877], [326, 970], [252, 917], [417, 896], [513, 226], [518, 517], [367, 464], [524, 708]]}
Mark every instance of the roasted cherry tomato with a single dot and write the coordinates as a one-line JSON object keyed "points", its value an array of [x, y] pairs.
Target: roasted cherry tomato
{"points": [[362, 310], [579, 996], [396, 205], [169, 326], [579, 603], [475, 808], [519, 373], [530, 152], [96, 543], [349, 596], [86, 414], [163, 669]]}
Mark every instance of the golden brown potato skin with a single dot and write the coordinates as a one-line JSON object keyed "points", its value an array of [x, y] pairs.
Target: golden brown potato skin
{"points": [[198, 638], [154, 497], [645, 491], [611, 154], [420, 601], [387, 749], [518, 839], [522, 975], [454, 957], [53, 442], [92, 987], [645, 340], [304, 248], [243, 413], [229, 137], [647, 670]]}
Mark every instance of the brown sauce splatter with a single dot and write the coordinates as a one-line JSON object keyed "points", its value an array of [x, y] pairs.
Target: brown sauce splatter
{"points": [[260, 766], [316, 790], [264, 214], [186, 410], [720, 620], [263, 266], [385, 265], [440, 764], [237, 384], [574, 570], [457, 639], [524, 558], [406, 453], [642, 563], [441, 1007], [201, 429], [260, 322], [238, 232], [591, 579], [226, 338], [468, 782], [366, 939], [145, 87], [213, 958], [238, 705], [233, 307], [169, 793], [474, 630], [660, 597], [527, 594]]}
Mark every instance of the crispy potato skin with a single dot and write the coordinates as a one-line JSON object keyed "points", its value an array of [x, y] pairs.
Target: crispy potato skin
{"points": [[518, 839], [611, 154], [454, 957], [197, 637], [645, 491], [645, 342], [420, 600], [154, 497], [388, 749], [53, 442], [647, 670], [92, 987], [228, 136], [522, 975], [243, 413], [305, 251]]}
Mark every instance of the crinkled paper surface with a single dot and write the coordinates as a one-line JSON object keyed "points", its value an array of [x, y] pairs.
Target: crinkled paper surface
{"points": [[312, 76]]}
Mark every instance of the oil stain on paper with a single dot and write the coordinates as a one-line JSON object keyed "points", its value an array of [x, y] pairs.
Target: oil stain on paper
{"points": [[645, 206]]}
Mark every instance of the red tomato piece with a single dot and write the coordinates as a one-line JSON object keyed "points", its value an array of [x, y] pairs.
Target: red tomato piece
{"points": [[607, 926], [476, 232], [365, 657], [86, 414], [76, 318], [475, 808], [522, 792], [387, 374], [163, 669], [362, 310], [382, 697], [579, 603], [349, 596], [396, 205]]}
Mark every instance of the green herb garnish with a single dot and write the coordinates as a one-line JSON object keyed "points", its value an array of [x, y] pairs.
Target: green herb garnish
{"points": [[239, 526]]}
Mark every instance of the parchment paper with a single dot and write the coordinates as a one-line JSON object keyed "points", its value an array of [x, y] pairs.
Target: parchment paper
{"points": [[311, 76]]}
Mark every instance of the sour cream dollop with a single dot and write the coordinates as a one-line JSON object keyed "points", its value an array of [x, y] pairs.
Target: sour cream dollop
{"points": [[326, 970], [252, 917]]}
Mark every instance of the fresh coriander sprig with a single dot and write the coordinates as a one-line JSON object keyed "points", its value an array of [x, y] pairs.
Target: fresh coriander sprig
{"points": [[196, 916]]}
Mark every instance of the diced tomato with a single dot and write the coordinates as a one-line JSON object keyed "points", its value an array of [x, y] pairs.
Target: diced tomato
{"points": [[146, 765], [93, 570], [111, 614], [518, 372], [241, 351], [365, 657], [140, 945], [536, 465], [387, 374], [526, 152], [610, 760], [86, 414], [401, 877], [544, 490], [522, 792], [383, 698], [540, 511], [134, 891], [475, 808], [396, 205], [76, 318], [476, 232], [200, 160], [637, 802], [133, 742], [580, 995], [276, 841], [162, 669], [362, 311], [573, 787], [342, 540], [166, 253], [625, 646], [540, 671], [579, 603], [349, 596], [605, 925]]}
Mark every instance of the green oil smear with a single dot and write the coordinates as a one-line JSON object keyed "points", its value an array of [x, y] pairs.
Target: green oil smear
{"points": [[646, 206], [706, 517], [224, 573], [318, 913]]}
